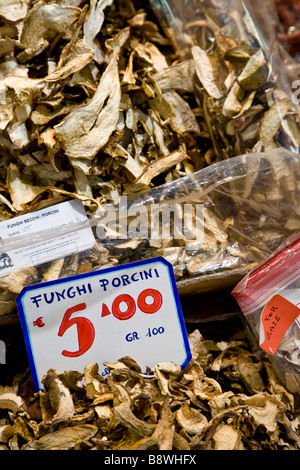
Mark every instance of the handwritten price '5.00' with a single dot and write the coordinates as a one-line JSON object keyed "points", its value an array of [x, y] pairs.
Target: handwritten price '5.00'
{"points": [[85, 328]]}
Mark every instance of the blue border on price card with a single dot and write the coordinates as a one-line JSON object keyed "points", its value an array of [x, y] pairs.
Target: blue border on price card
{"points": [[22, 315]]}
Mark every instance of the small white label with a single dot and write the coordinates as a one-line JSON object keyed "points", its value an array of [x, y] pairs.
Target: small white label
{"points": [[51, 218], [129, 310]]}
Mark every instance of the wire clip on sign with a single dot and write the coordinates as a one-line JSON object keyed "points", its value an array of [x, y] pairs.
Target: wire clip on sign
{"points": [[129, 310]]}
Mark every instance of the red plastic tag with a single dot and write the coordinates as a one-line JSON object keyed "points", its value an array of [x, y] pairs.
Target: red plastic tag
{"points": [[276, 318]]}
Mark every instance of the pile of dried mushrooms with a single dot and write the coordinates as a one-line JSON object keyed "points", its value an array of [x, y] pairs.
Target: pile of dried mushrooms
{"points": [[225, 399], [95, 102]]}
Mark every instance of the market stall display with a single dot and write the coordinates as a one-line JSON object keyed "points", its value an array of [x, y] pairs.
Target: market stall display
{"points": [[124, 107], [225, 400]]}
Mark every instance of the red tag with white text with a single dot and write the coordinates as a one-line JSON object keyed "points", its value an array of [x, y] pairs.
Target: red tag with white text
{"points": [[276, 318]]}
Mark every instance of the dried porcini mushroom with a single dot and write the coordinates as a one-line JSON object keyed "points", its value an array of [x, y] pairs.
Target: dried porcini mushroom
{"points": [[10, 400], [109, 111], [59, 395], [211, 405], [95, 101], [70, 99], [99, 103]]}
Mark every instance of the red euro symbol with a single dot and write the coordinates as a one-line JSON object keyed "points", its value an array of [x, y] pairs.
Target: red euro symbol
{"points": [[39, 322]]}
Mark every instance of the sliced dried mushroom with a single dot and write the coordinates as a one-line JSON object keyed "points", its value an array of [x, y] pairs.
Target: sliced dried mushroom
{"points": [[42, 23], [9, 400], [165, 410], [96, 120], [63, 439], [59, 395], [15, 281], [227, 437], [191, 420], [21, 192]]}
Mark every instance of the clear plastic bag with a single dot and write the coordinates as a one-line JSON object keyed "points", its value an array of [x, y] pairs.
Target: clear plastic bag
{"points": [[191, 23], [269, 297], [239, 63], [238, 212]]}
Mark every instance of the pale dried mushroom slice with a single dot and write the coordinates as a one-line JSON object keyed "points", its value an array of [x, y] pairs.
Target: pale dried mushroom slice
{"points": [[162, 410], [9, 400], [79, 58], [59, 395], [21, 192], [183, 119], [93, 24], [250, 373], [163, 435], [91, 381], [272, 121], [177, 77], [191, 420], [155, 168], [15, 281], [14, 10], [265, 416], [227, 437], [210, 71], [63, 439], [125, 416], [87, 129], [41, 22], [237, 102]]}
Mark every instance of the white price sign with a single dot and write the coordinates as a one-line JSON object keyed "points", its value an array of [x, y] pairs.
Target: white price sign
{"points": [[50, 218], [129, 310]]}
